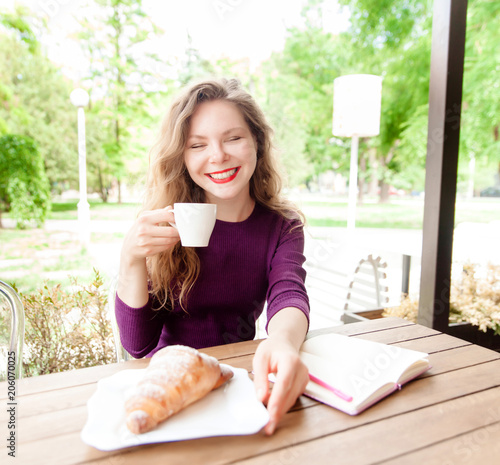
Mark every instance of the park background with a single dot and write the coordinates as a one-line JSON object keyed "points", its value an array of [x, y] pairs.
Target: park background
{"points": [[133, 56]]}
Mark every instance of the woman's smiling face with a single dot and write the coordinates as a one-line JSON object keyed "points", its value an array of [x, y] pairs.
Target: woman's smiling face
{"points": [[220, 152]]}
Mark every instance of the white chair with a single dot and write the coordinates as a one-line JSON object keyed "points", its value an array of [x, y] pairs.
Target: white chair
{"points": [[367, 289], [16, 341]]}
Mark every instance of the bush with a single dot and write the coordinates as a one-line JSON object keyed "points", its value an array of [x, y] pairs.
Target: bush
{"points": [[474, 299], [24, 187], [67, 329]]}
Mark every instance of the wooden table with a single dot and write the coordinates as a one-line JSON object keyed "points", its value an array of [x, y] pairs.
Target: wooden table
{"points": [[451, 415]]}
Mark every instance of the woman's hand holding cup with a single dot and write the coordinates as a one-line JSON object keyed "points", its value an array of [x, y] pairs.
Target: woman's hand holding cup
{"points": [[150, 234], [154, 232]]}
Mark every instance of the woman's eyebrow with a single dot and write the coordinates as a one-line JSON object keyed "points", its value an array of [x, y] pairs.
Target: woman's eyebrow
{"points": [[227, 131], [195, 136], [236, 128]]}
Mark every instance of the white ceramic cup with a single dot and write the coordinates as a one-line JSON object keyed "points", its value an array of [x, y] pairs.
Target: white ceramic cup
{"points": [[195, 222]]}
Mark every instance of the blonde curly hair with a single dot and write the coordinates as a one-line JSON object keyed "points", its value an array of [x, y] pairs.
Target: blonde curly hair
{"points": [[172, 273]]}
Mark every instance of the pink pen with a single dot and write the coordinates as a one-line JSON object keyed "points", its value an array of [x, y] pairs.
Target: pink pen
{"points": [[337, 392]]}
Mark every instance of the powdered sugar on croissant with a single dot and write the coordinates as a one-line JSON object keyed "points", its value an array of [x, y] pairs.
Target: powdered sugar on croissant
{"points": [[176, 377]]}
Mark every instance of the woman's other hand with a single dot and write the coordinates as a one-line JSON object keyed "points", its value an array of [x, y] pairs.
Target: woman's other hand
{"points": [[279, 354]]}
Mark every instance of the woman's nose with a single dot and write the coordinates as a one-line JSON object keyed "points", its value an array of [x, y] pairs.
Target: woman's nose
{"points": [[217, 154]]}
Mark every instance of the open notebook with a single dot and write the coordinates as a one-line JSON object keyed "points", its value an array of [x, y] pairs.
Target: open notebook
{"points": [[362, 372]]}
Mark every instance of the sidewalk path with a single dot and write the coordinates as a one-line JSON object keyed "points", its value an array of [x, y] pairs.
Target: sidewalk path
{"points": [[105, 255]]}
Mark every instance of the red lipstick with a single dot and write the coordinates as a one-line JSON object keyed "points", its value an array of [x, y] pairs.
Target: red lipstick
{"points": [[223, 180]]}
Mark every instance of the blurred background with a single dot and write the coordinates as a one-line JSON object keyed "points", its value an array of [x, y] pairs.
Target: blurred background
{"points": [[132, 56]]}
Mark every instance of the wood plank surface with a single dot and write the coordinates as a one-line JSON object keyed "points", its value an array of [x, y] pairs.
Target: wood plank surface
{"points": [[450, 413], [41, 383], [327, 421], [368, 326], [384, 440], [37, 384], [478, 447]]}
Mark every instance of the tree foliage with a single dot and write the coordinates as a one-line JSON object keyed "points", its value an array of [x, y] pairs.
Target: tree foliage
{"points": [[34, 99], [298, 90], [481, 96], [130, 88], [392, 39], [24, 188], [479, 131], [119, 84], [16, 21]]}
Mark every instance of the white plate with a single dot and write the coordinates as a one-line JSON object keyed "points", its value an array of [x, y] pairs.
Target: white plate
{"points": [[233, 409]]}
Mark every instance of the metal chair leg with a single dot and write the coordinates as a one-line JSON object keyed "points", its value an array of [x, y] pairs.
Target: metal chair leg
{"points": [[16, 329]]}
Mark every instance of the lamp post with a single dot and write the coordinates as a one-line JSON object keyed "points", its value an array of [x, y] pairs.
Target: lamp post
{"points": [[80, 99], [357, 101]]}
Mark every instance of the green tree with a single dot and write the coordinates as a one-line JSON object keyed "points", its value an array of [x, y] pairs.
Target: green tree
{"points": [[388, 38], [479, 133], [118, 84], [16, 21], [481, 97], [193, 65], [280, 96], [396, 35], [24, 188], [298, 90], [34, 99]]}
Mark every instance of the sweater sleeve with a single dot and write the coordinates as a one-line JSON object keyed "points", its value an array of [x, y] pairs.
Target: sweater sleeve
{"points": [[287, 275], [140, 328]]}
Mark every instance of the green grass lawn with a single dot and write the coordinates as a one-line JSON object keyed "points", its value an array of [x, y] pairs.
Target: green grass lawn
{"points": [[370, 216], [68, 210], [399, 214]]}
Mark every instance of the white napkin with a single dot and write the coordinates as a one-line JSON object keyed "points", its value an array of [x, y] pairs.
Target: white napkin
{"points": [[232, 409]]}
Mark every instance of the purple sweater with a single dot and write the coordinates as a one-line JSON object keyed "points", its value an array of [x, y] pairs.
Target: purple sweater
{"points": [[245, 265]]}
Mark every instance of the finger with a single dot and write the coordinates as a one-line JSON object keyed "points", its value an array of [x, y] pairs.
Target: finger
{"points": [[159, 242], [162, 215], [145, 233], [281, 399], [163, 232], [261, 373], [146, 244], [290, 384], [150, 226]]}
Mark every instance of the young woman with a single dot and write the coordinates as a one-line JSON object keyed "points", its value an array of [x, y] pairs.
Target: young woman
{"points": [[215, 147]]}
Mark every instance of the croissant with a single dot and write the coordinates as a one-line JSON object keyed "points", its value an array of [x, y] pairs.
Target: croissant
{"points": [[176, 377]]}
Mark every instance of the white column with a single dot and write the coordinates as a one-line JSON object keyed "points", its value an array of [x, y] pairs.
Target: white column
{"points": [[80, 99], [83, 204], [353, 184]]}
